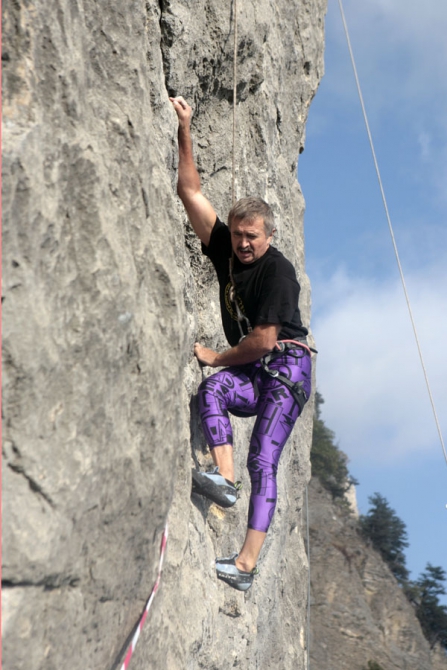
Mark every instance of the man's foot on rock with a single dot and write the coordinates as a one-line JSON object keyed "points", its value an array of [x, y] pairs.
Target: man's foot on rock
{"points": [[213, 486], [230, 574]]}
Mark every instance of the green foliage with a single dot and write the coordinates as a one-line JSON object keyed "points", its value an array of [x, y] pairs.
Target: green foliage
{"points": [[329, 463], [424, 594], [373, 665], [386, 532], [388, 535]]}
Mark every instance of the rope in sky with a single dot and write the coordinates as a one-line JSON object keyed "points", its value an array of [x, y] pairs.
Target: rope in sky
{"points": [[391, 230]]}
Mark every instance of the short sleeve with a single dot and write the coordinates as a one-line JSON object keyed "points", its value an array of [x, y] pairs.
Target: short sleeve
{"points": [[220, 241]]}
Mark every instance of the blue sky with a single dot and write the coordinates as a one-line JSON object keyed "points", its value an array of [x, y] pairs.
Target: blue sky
{"points": [[368, 369]]}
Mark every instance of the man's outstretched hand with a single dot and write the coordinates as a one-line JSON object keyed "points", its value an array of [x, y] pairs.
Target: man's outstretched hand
{"points": [[205, 356], [183, 110]]}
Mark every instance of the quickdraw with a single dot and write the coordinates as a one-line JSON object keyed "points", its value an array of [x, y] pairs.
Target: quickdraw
{"points": [[233, 297]]}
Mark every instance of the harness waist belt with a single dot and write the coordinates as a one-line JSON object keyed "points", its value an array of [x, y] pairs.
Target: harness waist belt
{"points": [[283, 345]]}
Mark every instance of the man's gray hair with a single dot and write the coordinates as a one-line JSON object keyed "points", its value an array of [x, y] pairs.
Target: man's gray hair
{"points": [[251, 208]]}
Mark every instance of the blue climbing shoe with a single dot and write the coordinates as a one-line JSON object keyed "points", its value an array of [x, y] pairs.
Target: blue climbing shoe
{"points": [[213, 486], [228, 572]]}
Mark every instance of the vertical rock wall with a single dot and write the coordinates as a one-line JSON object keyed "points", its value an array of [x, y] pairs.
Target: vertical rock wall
{"points": [[359, 612], [104, 293]]}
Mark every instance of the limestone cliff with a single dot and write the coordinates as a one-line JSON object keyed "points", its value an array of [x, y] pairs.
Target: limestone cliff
{"points": [[104, 293], [359, 613]]}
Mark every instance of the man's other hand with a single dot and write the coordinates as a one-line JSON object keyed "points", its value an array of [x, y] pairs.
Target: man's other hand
{"points": [[205, 356]]}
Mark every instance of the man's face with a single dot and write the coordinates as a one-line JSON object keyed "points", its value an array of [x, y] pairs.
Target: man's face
{"points": [[248, 239]]}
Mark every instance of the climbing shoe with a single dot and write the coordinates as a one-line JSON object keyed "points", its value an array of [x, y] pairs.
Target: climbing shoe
{"points": [[228, 572], [215, 487]]}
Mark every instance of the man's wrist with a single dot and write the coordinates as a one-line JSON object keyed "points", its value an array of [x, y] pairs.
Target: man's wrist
{"points": [[184, 126], [216, 361]]}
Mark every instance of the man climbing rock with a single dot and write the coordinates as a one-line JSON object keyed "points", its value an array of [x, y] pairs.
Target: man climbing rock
{"points": [[267, 369]]}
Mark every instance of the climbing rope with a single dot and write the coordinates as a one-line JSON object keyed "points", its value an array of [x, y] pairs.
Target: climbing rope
{"points": [[391, 230], [139, 628], [233, 180]]}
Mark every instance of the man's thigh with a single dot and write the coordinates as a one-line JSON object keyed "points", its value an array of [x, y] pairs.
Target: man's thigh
{"points": [[235, 388]]}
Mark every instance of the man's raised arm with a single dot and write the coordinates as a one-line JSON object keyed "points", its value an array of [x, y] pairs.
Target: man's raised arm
{"points": [[199, 209]]}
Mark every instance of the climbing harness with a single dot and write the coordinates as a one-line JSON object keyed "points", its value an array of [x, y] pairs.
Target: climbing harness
{"points": [[279, 349], [396, 253], [296, 388]]}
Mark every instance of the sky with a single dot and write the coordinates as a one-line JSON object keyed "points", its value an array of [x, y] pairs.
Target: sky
{"points": [[368, 367]]}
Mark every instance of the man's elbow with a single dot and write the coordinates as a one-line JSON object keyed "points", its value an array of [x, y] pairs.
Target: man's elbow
{"points": [[181, 192], [273, 335], [268, 341], [186, 194], [269, 345]]}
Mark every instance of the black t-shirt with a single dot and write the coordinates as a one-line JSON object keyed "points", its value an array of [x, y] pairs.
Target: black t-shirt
{"points": [[267, 290]]}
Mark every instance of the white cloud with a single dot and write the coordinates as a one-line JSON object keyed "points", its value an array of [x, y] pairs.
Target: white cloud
{"points": [[401, 55], [440, 174], [391, 38], [368, 369], [424, 141]]}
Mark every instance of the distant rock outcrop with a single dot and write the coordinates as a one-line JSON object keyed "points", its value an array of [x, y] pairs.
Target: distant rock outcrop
{"points": [[359, 614], [105, 291]]}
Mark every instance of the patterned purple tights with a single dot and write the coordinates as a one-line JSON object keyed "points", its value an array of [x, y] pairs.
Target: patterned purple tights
{"points": [[231, 390]]}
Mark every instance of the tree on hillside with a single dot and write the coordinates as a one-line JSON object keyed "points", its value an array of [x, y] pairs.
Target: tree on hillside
{"points": [[388, 535], [424, 593], [329, 463]]}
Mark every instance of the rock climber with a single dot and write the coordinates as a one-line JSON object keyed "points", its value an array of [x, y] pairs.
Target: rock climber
{"points": [[267, 369]]}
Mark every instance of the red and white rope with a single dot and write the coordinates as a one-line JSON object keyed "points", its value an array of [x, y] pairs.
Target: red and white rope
{"points": [[299, 344], [133, 644]]}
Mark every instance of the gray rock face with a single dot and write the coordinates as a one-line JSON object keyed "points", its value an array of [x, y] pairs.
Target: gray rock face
{"points": [[105, 292], [358, 611]]}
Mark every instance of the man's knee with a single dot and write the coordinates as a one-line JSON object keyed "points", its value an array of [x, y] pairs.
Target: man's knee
{"points": [[206, 385], [259, 467], [210, 392]]}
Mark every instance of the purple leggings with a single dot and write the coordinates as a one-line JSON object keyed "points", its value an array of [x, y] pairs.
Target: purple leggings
{"points": [[231, 390]]}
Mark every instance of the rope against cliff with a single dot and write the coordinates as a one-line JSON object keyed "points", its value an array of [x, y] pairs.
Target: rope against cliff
{"points": [[396, 253], [233, 200], [136, 635], [233, 180]]}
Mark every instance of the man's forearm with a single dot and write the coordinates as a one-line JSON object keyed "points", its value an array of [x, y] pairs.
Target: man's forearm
{"points": [[200, 211], [188, 177], [258, 343], [247, 351]]}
